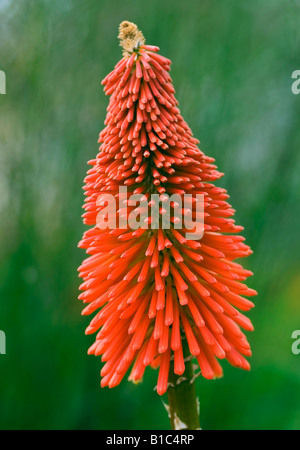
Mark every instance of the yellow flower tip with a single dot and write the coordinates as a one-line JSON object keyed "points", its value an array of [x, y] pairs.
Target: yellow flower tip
{"points": [[131, 38]]}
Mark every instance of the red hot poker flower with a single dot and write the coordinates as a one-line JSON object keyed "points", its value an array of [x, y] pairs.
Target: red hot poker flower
{"points": [[153, 288]]}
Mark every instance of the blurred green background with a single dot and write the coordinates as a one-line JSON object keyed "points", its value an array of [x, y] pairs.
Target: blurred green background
{"points": [[232, 66]]}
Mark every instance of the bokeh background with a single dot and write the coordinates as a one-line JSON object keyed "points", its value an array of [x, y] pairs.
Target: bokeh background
{"points": [[232, 66]]}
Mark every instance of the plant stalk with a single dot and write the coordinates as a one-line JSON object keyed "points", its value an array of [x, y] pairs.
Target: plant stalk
{"points": [[183, 404]]}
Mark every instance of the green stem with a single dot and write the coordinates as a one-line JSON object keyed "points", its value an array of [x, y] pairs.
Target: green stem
{"points": [[183, 405]]}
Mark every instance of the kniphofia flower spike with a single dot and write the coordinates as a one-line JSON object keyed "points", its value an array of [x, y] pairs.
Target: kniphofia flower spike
{"points": [[150, 289]]}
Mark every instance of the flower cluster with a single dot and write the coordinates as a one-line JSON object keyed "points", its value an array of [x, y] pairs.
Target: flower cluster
{"points": [[152, 288]]}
